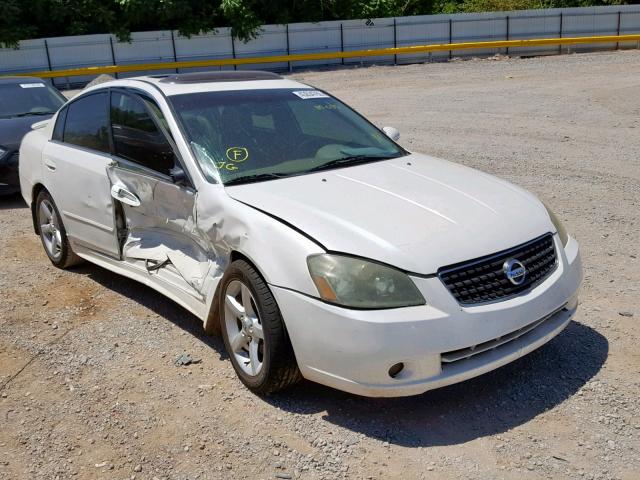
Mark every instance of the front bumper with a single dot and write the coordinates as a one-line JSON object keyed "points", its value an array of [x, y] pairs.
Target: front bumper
{"points": [[9, 181], [352, 350]]}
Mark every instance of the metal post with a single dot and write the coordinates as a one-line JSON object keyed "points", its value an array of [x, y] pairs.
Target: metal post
{"points": [[508, 33], [113, 54], [395, 41], [233, 49], [342, 41], [173, 46], [560, 34], [46, 49], [288, 48], [450, 37], [619, 22]]}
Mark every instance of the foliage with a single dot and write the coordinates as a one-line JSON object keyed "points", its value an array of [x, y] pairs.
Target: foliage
{"points": [[23, 19], [11, 28], [497, 5]]}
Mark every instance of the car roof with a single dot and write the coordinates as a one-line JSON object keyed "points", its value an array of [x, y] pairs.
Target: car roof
{"points": [[216, 81], [18, 80], [219, 76]]}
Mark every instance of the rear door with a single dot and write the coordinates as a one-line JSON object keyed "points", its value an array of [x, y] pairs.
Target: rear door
{"points": [[158, 202], [75, 165]]}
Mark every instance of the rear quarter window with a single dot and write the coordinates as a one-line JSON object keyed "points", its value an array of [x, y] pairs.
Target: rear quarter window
{"points": [[58, 129]]}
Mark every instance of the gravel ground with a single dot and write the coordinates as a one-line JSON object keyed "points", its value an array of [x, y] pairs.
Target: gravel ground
{"points": [[88, 385]]}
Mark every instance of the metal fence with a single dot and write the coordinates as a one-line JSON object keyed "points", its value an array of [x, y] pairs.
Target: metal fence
{"points": [[167, 46]]}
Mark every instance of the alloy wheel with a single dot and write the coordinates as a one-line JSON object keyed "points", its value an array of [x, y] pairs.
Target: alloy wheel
{"points": [[50, 229], [244, 328]]}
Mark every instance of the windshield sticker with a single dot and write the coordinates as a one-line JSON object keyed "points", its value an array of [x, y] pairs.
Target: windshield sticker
{"points": [[237, 154], [306, 94], [32, 85], [326, 106]]}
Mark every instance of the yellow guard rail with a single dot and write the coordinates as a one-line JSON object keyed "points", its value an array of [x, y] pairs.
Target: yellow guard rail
{"points": [[333, 55]]}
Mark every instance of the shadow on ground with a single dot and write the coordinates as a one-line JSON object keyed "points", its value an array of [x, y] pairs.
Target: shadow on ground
{"points": [[154, 301], [11, 202], [490, 404]]}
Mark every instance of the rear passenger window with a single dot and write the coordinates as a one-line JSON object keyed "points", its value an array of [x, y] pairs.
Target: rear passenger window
{"points": [[136, 136], [87, 123], [58, 130]]}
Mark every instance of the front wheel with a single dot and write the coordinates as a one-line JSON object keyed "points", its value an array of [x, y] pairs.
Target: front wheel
{"points": [[253, 331]]}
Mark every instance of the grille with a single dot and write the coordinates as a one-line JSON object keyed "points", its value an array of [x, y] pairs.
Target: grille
{"points": [[463, 353], [483, 279]]}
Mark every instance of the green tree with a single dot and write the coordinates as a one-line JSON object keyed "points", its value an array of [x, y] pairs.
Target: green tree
{"points": [[21, 19], [11, 27]]}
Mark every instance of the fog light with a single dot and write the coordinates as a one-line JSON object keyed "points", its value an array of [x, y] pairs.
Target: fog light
{"points": [[396, 369]]}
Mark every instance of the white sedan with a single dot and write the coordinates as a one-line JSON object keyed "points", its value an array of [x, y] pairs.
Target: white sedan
{"points": [[317, 245]]}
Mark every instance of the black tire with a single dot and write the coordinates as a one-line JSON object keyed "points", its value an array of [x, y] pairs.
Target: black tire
{"points": [[279, 366], [66, 258]]}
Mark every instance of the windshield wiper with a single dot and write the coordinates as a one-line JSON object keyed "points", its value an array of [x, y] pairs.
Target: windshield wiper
{"points": [[29, 114], [351, 160], [258, 177]]}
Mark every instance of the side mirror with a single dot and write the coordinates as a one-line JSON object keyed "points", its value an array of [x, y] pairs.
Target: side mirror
{"points": [[178, 175], [392, 133]]}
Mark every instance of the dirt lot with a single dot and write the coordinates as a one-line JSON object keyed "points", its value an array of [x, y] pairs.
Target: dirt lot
{"points": [[88, 388]]}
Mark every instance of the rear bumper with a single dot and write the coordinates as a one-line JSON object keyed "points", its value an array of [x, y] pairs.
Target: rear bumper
{"points": [[352, 350]]}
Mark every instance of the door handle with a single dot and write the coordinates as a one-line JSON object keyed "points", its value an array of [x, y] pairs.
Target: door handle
{"points": [[49, 165], [125, 196]]}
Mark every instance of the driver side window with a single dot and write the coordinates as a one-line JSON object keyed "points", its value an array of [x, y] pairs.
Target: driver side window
{"points": [[136, 136]]}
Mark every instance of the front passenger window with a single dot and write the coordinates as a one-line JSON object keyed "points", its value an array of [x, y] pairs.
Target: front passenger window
{"points": [[136, 137]]}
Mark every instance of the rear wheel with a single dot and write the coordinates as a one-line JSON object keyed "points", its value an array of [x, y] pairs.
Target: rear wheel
{"points": [[253, 331], [53, 234]]}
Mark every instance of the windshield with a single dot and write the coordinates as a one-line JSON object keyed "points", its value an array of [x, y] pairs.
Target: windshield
{"points": [[253, 135], [25, 99]]}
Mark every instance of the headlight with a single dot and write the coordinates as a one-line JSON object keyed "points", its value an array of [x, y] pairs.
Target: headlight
{"points": [[353, 282], [3, 151], [562, 232]]}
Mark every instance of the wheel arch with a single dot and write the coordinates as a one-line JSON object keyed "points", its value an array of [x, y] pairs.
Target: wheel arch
{"points": [[212, 323], [35, 191], [238, 255], [283, 366]]}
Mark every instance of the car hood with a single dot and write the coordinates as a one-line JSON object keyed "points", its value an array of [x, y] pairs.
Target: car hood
{"points": [[416, 212], [13, 129]]}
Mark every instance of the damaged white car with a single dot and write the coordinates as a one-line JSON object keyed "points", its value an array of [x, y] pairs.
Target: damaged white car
{"points": [[316, 244]]}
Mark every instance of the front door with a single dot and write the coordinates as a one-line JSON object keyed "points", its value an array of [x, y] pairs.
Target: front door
{"points": [[160, 232]]}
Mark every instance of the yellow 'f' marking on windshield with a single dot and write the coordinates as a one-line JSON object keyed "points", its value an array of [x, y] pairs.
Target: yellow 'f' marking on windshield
{"points": [[237, 154]]}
